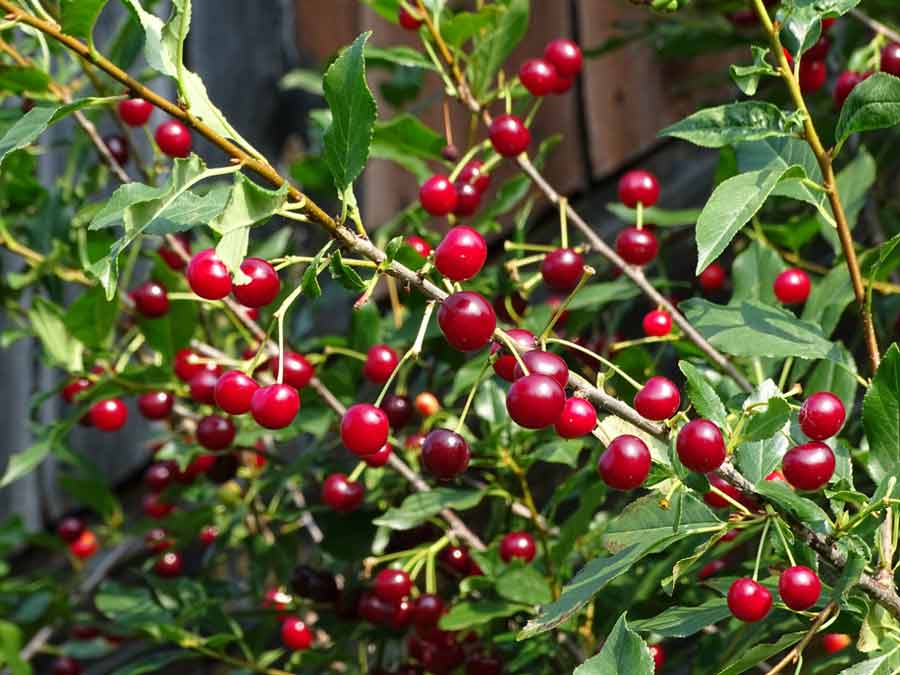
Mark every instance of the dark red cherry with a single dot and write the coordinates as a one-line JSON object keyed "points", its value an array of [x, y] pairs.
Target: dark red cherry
{"points": [[380, 458], [517, 545], [846, 82], [364, 429], [71, 391], [160, 475], [468, 199], [822, 415], [157, 540], [66, 665], [264, 283], [659, 657], [509, 135], [799, 588], [457, 559], [890, 59], [712, 278], [170, 257], [565, 56], [428, 609], [156, 405], [638, 186], [215, 432], [275, 406], [407, 20], [658, 399], [819, 51], [70, 528], [399, 410], [792, 286], [85, 546], [381, 360], [813, 75], [341, 494], [467, 321], [445, 454], [700, 446], [203, 387], [233, 392], [505, 364], [625, 463], [118, 148], [479, 663], [135, 112], [543, 363], [748, 600], [317, 585], [712, 568], [419, 245], [535, 401], [298, 371], [174, 139], [562, 269], [155, 506], [474, 174], [809, 466], [657, 323], [637, 246], [563, 84], [168, 565], [109, 414], [295, 635], [375, 610], [538, 77], [461, 254], [578, 418], [208, 276], [438, 196], [392, 585]]}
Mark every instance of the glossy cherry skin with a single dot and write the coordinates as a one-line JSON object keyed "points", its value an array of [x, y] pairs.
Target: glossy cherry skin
{"points": [[135, 112], [264, 283], [517, 545], [156, 405], [109, 414], [637, 246], [543, 363], [187, 364], [419, 245], [659, 657], [118, 148], [233, 392], [578, 418], [700, 446], [208, 276], [474, 174], [174, 139], [160, 475], [461, 254], [809, 466], [835, 642], [85, 546], [625, 463], [457, 559], [792, 286], [295, 635], [168, 565], [428, 609], [364, 429], [203, 387], [70, 528], [712, 568], [846, 82], [467, 321], [407, 20], [538, 76], [438, 195], [748, 600], [565, 57], [66, 665], [155, 506], [71, 391], [468, 199], [275, 406], [822, 415], [505, 365], [712, 278], [813, 75], [638, 186], [562, 269], [445, 454], [890, 59], [215, 432], [399, 410], [657, 323], [380, 458], [298, 371], [658, 399], [341, 494], [392, 585], [535, 401], [509, 135], [799, 588], [381, 360]]}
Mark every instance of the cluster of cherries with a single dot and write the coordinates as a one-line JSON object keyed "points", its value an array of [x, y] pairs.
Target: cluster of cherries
{"points": [[172, 136]]}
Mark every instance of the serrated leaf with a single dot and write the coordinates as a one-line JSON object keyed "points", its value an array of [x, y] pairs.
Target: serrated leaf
{"points": [[757, 460], [881, 417], [475, 613], [754, 272], [780, 154], [398, 55], [190, 210], [524, 585], [490, 54], [21, 79], [91, 318], [48, 324], [645, 520], [346, 275], [747, 77], [682, 622], [702, 395], [656, 215], [419, 507], [22, 463], [623, 652], [79, 16], [734, 123], [873, 104], [764, 425], [804, 509]]}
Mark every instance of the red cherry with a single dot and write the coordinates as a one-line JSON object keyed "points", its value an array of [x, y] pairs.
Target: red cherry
{"points": [[109, 414], [457, 559], [66, 665], [657, 323], [712, 278], [85, 546], [160, 475], [157, 540], [276, 599], [85, 632], [208, 535], [517, 545], [264, 283], [187, 364], [467, 321], [375, 610], [505, 364], [298, 371], [484, 664], [174, 139], [168, 565], [468, 199], [419, 245], [203, 387], [445, 454], [398, 409], [718, 502], [637, 246], [538, 77], [170, 257], [509, 135], [700, 446], [813, 75], [776, 475], [822, 416], [428, 610], [70, 528], [577, 419], [295, 635], [562, 269], [438, 195], [380, 458], [565, 56], [407, 20], [215, 432], [792, 286], [659, 657], [748, 600], [118, 148], [275, 406], [392, 585], [233, 392], [625, 463], [208, 276], [155, 507], [809, 466], [474, 174], [461, 254], [535, 401], [799, 587], [156, 405], [364, 429], [198, 466], [846, 82], [427, 404], [819, 51], [711, 568], [71, 391], [544, 363], [562, 84], [381, 360], [658, 399], [835, 642], [638, 186], [341, 494], [890, 59], [135, 112]]}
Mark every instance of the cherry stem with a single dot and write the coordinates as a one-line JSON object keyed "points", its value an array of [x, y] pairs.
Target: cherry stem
{"points": [[762, 543], [514, 350], [609, 364], [461, 164], [343, 351], [784, 542], [525, 246], [357, 472], [639, 216], [587, 273], [736, 504], [471, 396], [625, 344], [564, 222], [412, 353]]}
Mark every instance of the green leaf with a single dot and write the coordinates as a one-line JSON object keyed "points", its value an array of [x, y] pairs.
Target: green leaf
{"points": [[167, 334], [49, 325], [558, 451], [153, 663], [873, 104], [91, 318], [757, 460], [754, 329], [490, 54], [346, 275], [734, 123], [300, 78], [22, 463], [190, 210], [524, 585], [732, 204], [657, 216], [79, 16], [760, 652], [10, 647], [763, 425], [747, 77], [780, 154], [465, 25], [478, 612], [754, 272], [703, 397], [406, 134], [682, 622], [94, 494], [419, 507], [886, 664], [597, 295], [856, 565], [353, 114], [804, 509], [881, 417], [829, 299], [623, 652], [19, 79], [644, 520], [130, 606], [400, 55]]}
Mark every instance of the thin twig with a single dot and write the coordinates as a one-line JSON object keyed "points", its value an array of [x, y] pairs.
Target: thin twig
{"points": [[876, 25], [793, 655]]}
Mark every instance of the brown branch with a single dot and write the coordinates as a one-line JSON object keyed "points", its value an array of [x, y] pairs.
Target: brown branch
{"points": [[794, 654], [876, 25]]}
